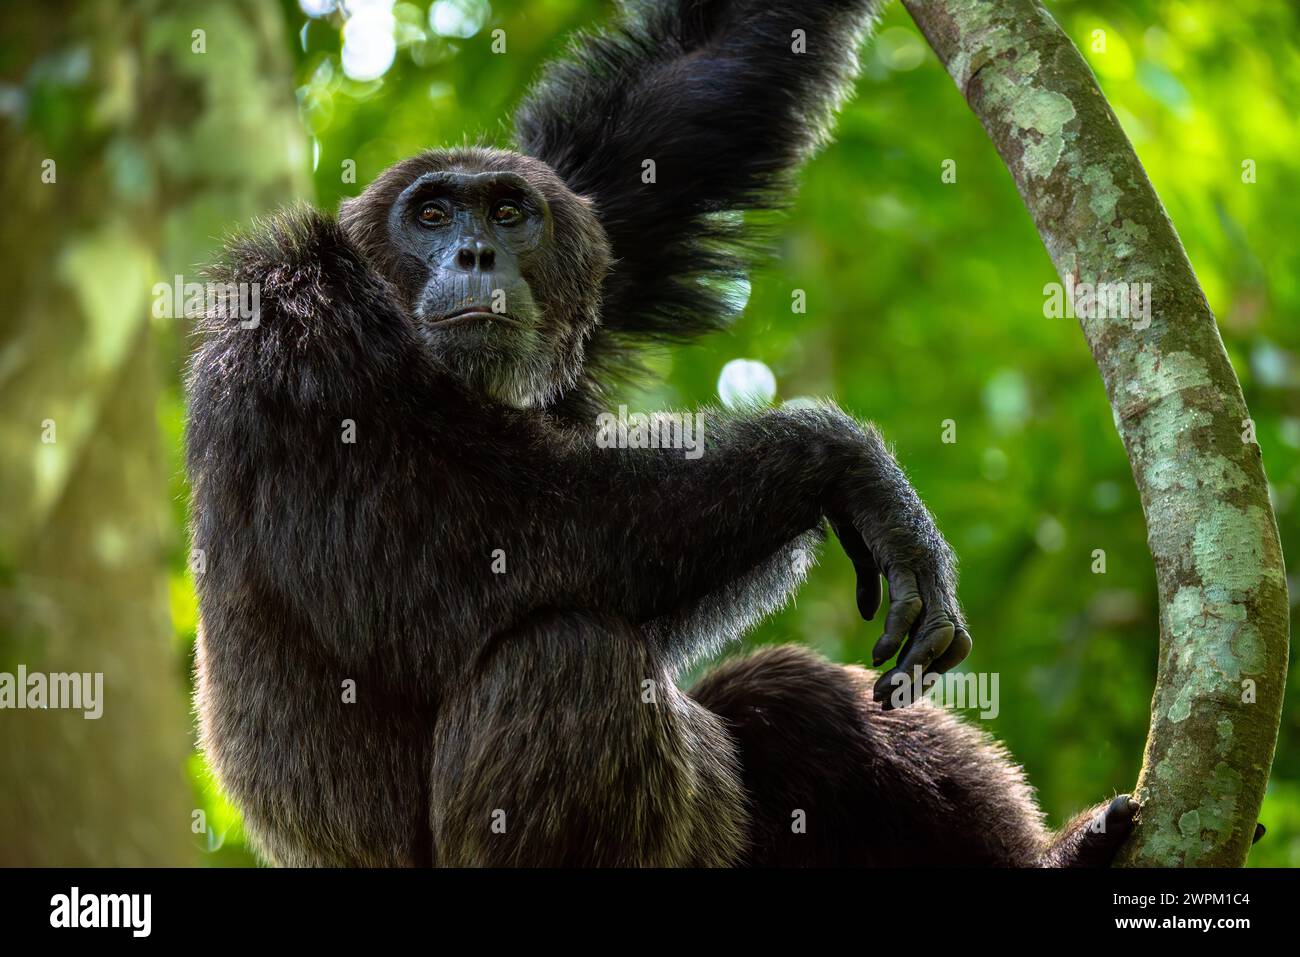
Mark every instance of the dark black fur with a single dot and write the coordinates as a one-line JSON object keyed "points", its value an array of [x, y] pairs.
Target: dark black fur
{"points": [[532, 716], [883, 788], [712, 92]]}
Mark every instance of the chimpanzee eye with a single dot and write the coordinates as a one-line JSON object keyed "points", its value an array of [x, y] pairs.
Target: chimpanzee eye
{"points": [[506, 213], [431, 214]]}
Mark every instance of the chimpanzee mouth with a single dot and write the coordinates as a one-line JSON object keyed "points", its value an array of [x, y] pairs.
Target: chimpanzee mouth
{"points": [[469, 314]]}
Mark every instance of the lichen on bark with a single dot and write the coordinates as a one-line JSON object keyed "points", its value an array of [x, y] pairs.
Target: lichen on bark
{"points": [[1179, 410]]}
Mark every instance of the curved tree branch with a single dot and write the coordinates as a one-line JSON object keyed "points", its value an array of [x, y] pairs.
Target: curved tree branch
{"points": [[1179, 409]]}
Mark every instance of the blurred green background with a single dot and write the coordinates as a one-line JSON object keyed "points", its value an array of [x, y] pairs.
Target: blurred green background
{"points": [[925, 303]]}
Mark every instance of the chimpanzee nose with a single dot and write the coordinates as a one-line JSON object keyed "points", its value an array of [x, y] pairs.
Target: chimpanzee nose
{"points": [[476, 256]]}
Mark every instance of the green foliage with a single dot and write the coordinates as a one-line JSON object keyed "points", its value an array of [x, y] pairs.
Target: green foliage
{"points": [[925, 304]]}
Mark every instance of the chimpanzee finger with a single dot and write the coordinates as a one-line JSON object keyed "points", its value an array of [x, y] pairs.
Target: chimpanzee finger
{"points": [[931, 637], [930, 642], [955, 655], [904, 608], [890, 683], [868, 572], [870, 592]]}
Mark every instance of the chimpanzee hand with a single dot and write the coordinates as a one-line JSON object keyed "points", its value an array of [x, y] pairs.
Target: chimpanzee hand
{"points": [[883, 527]]}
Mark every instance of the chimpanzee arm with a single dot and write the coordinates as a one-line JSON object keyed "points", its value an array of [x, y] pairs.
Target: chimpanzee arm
{"points": [[643, 532]]}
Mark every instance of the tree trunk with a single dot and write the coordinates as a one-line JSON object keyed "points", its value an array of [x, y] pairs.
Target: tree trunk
{"points": [[123, 152], [1179, 409]]}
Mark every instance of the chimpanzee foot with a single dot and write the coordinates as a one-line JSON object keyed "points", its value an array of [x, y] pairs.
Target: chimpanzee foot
{"points": [[1092, 838]]}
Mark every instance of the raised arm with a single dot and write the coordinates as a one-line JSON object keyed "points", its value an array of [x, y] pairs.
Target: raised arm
{"points": [[674, 119]]}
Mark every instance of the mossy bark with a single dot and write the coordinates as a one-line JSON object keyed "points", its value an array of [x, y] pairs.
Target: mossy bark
{"points": [[1179, 409]]}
